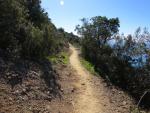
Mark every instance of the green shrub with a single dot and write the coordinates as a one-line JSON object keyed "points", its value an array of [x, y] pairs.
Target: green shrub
{"points": [[121, 63]]}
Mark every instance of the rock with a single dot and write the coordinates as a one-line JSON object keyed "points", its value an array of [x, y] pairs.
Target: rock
{"points": [[10, 103], [48, 92], [18, 101], [62, 90], [16, 92], [120, 92], [25, 98], [24, 90], [124, 103], [14, 75], [37, 88], [30, 108], [48, 98], [21, 98], [10, 99]]}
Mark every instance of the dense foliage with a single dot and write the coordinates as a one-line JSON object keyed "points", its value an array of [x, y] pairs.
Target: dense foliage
{"points": [[26, 30], [123, 61]]}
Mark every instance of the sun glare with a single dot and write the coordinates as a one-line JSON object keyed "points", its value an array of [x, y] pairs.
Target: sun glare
{"points": [[61, 2]]}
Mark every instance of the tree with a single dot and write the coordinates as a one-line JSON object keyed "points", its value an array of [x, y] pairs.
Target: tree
{"points": [[27, 31], [10, 23], [100, 28], [37, 15], [104, 28], [123, 63]]}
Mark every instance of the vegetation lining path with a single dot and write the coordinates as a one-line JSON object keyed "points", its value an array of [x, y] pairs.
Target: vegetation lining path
{"points": [[87, 99]]}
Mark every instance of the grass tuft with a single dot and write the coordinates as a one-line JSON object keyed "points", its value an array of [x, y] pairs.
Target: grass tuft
{"points": [[62, 57], [89, 66]]}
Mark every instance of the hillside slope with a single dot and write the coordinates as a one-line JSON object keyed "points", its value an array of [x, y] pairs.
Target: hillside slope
{"points": [[72, 89]]}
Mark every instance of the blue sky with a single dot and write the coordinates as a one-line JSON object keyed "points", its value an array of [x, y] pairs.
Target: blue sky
{"points": [[67, 13]]}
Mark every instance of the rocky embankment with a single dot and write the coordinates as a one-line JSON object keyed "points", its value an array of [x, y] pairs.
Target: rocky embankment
{"points": [[26, 86]]}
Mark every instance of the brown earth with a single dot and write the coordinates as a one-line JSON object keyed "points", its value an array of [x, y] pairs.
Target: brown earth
{"points": [[80, 92], [92, 95]]}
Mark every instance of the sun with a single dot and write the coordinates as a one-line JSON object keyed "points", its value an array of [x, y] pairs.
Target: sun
{"points": [[61, 2]]}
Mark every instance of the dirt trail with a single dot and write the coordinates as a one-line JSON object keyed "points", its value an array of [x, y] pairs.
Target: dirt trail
{"points": [[81, 92], [87, 100]]}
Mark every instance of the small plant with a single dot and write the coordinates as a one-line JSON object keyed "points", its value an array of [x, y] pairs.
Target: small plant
{"points": [[89, 66], [62, 57], [135, 110]]}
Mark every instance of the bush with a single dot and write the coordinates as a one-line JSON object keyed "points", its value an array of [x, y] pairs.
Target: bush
{"points": [[26, 30], [123, 62]]}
